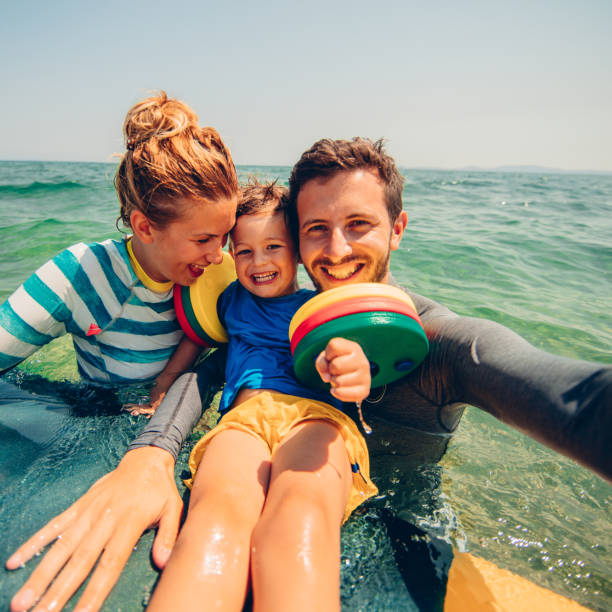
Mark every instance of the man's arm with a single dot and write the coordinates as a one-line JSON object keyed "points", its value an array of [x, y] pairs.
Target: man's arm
{"points": [[563, 403], [108, 520], [182, 406]]}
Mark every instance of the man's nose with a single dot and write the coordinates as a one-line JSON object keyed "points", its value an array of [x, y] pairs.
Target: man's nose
{"points": [[338, 246]]}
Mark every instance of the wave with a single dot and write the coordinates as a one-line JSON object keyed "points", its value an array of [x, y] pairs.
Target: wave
{"points": [[41, 188]]}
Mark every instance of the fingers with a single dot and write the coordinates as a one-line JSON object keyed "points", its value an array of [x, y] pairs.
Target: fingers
{"points": [[344, 365], [49, 567], [41, 538], [109, 568], [77, 552], [110, 517], [167, 532], [351, 393], [322, 366], [136, 409]]}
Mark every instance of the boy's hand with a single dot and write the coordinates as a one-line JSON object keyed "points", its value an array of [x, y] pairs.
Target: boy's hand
{"points": [[344, 365], [162, 383], [147, 409]]}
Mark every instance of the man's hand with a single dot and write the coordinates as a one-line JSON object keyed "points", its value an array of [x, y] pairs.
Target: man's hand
{"points": [[344, 365], [108, 521]]}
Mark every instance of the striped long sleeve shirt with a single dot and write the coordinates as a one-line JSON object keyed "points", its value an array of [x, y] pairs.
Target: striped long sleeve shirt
{"points": [[121, 330]]}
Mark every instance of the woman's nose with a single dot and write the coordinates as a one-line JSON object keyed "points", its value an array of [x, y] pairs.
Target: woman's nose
{"points": [[216, 255]]}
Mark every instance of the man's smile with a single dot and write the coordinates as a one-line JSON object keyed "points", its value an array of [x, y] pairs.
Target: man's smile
{"points": [[342, 271]]}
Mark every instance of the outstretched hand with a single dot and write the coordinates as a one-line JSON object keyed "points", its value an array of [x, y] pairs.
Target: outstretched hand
{"points": [[344, 365], [105, 523]]}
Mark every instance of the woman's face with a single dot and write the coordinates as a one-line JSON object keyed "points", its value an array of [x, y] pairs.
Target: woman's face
{"points": [[180, 251]]}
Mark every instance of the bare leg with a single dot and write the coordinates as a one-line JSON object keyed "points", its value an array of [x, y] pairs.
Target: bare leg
{"points": [[209, 565], [295, 559]]}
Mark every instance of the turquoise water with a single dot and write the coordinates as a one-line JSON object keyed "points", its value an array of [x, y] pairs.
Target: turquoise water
{"points": [[531, 251]]}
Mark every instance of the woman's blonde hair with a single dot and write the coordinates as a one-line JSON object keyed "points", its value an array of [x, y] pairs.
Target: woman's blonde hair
{"points": [[170, 156]]}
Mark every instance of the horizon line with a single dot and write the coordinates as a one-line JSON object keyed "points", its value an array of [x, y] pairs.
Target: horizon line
{"points": [[531, 168]]}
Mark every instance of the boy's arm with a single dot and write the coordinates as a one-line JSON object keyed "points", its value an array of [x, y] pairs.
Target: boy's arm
{"points": [[182, 359]]}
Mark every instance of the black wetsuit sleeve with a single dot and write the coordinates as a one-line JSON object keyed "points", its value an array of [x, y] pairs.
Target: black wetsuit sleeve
{"points": [[182, 406], [563, 403]]}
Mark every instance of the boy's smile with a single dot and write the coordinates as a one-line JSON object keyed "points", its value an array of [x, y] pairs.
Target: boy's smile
{"points": [[266, 261]]}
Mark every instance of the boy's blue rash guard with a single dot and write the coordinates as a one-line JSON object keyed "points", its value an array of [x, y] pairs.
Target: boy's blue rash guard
{"points": [[259, 353]]}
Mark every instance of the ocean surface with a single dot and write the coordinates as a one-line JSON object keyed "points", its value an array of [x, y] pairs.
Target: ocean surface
{"points": [[532, 251]]}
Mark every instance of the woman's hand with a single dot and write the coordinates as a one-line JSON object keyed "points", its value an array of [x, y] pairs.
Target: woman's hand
{"points": [[344, 365], [105, 523]]}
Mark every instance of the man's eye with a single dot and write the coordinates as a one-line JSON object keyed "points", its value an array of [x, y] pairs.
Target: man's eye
{"points": [[316, 228], [358, 222]]}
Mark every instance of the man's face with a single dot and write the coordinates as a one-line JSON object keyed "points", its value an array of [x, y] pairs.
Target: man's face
{"points": [[345, 232]]}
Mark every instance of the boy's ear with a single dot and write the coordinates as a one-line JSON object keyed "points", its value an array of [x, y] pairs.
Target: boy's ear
{"points": [[141, 226]]}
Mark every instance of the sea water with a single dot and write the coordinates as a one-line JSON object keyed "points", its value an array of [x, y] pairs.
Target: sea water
{"points": [[532, 251]]}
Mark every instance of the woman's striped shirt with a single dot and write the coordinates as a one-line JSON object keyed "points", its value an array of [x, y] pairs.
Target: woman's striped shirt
{"points": [[121, 329]]}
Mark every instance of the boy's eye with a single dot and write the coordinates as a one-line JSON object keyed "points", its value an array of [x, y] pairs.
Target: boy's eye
{"points": [[274, 246], [242, 252]]}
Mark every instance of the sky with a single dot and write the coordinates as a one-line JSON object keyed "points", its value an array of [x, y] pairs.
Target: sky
{"points": [[448, 84]]}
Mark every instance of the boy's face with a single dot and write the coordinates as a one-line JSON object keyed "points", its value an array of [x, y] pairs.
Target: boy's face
{"points": [[266, 260]]}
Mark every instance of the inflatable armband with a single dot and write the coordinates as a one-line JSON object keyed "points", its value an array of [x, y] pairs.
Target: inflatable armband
{"points": [[196, 305], [382, 319]]}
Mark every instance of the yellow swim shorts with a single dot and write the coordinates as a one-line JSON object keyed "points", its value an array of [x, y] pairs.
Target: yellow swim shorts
{"points": [[270, 416]]}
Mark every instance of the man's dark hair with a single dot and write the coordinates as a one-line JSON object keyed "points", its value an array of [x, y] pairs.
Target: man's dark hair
{"points": [[327, 157]]}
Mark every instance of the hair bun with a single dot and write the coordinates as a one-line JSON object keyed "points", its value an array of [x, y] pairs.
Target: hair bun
{"points": [[157, 118]]}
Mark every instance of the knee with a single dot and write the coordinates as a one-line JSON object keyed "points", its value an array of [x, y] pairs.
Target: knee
{"points": [[223, 505], [297, 520]]}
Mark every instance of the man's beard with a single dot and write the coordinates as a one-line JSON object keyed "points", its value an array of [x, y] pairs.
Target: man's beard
{"points": [[378, 275]]}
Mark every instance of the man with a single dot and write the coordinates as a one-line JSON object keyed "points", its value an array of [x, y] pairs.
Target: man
{"points": [[349, 217], [346, 199]]}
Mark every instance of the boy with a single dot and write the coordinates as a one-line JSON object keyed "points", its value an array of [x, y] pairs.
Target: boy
{"points": [[281, 443]]}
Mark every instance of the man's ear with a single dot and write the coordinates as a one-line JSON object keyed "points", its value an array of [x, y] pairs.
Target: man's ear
{"points": [[141, 226], [397, 231]]}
